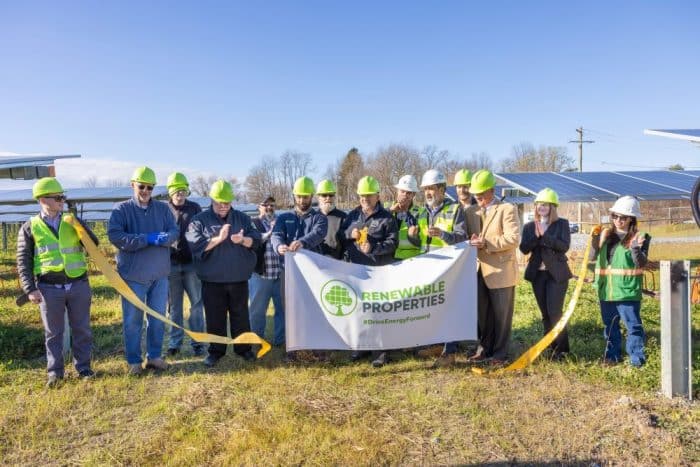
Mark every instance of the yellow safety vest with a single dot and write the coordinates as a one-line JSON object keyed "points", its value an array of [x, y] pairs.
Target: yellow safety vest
{"points": [[444, 218], [406, 249], [53, 254]]}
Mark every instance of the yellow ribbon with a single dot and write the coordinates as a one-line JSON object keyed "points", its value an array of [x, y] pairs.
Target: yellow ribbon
{"points": [[533, 352], [120, 286]]}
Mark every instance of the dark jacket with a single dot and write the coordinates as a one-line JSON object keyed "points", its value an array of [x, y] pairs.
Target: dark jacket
{"points": [[25, 259], [333, 246], [128, 227], [180, 250], [227, 262], [549, 249], [382, 235], [310, 229], [265, 238]]}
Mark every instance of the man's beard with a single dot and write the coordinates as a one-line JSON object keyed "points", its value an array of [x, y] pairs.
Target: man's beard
{"points": [[303, 207], [431, 201], [327, 207]]}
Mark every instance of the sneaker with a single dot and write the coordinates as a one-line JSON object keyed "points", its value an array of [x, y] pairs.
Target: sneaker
{"points": [[211, 360], [135, 369], [359, 355], [430, 352], [53, 381], [444, 361], [86, 374], [173, 352], [380, 361], [198, 351], [156, 364], [249, 356]]}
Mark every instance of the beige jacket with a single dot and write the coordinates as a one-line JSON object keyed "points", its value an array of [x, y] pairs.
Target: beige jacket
{"points": [[501, 231]]}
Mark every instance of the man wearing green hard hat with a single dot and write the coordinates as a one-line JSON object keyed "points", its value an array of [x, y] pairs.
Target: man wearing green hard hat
{"points": [[462, 182], [370, 237], [142, 229], [304, 227], [494, 229], [223, 242], [52, 270], [183, 278], [325, 192]]}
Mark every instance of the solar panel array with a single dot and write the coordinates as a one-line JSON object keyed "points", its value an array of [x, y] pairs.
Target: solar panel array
{"points": [[606, 186]]}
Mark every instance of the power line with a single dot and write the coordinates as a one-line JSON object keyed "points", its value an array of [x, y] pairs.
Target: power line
{"points": [[580, 142]]}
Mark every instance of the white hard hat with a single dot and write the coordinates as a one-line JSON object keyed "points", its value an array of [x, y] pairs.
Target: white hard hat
{"points": [[407, 183], [627, 206], [432, 177]]}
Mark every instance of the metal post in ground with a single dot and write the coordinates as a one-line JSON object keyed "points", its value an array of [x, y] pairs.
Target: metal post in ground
{"points": [[675, 329]]}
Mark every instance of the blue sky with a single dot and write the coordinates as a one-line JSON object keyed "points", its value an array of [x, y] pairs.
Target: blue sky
{"points": [[211, 87]]}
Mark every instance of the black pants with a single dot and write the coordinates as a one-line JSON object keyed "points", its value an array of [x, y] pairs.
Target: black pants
{"points": [[494, 318], [550, 298], [226, 300]]}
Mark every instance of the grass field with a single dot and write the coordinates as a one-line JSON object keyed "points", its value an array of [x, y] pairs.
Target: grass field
{"points": [[573, 412]]}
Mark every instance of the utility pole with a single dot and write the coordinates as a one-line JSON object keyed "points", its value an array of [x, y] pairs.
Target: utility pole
{"points": [[580, 142]]}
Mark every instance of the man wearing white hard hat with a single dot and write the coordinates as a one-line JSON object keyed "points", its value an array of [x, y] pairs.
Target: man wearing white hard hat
{"points": [[405, 213], [620, 252], [440, 223]]}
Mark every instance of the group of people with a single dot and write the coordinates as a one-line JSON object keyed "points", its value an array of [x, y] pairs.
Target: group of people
{"points": [[231, 266]]}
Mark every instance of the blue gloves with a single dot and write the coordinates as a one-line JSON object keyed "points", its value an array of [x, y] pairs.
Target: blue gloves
{"points": [[157, 238]]}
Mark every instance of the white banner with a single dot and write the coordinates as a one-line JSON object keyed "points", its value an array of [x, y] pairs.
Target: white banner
{"points": [[424, 300]]}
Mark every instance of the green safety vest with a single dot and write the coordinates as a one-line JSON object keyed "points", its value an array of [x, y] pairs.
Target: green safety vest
{"points": [[620, 280], [406, 249], [444, 218], [53, 254]]}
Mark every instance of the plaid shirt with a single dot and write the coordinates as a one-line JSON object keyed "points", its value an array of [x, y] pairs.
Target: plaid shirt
{"points": [[272, 268]]}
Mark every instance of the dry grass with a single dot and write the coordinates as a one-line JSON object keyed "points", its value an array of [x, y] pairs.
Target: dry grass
{"points": [[575, 412]]}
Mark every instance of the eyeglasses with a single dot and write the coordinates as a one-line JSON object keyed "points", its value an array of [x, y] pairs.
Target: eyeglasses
{"points": [[178, 192], [145, 187], [619, 217], [59, 198]]}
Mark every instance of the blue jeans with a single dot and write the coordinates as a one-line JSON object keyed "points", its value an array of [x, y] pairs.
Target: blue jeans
{"points": [[628, 312], [261, 291], [155, 295], [183, 278]]}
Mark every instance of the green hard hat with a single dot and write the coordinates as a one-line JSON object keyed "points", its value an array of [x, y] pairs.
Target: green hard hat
{"points": [[304, 186], [46, 186], [482, 180], [463, 177], [176, 182], [325, 187], [221, 191], [367, 186], [144, 175], [547, 195]]}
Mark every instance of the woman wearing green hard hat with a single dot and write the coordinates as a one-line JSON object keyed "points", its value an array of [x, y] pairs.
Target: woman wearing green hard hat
{"points": [[546, 239]]}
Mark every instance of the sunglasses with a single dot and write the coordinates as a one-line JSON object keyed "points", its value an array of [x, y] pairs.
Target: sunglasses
{"points": [[58, 198], [618, 217], [145, 187], [326, 195]]}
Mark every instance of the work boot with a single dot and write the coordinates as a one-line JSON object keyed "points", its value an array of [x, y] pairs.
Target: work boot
{"points": [[86, 374], [157, 364], [444, 361], [53, 381], [135, 369], [380, 361]]}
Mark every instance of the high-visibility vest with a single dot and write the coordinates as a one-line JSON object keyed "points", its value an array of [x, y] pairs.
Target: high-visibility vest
{"points": [[405, 248], [53, 254], [444, 218], [619, 280]]}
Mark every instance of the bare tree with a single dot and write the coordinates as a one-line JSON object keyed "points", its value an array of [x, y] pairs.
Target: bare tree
{"points": [[525, 158], [349, 173], [116, 183], [392, 162], [90, 182]]}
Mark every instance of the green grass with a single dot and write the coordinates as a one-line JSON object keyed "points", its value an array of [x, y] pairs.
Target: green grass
{"points": [[266, 412]]}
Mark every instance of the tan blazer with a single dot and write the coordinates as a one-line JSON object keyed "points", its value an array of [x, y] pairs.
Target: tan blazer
{"points": [[501, 231]]}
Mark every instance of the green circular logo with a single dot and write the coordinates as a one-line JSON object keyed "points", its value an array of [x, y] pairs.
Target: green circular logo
{"points": [[338, 298]]}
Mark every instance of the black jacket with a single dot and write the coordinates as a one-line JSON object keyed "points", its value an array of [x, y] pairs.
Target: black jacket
{"points": [[333, 246], [382, 235], [180, 250], [549, 249]]}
